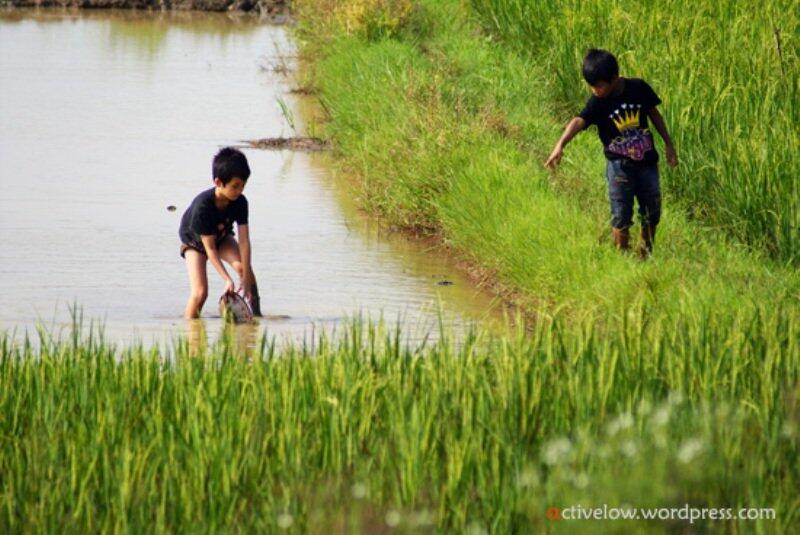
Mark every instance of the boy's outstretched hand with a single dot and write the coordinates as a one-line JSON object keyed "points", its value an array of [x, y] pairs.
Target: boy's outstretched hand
{"points": [[672, 156], [555, 158]]}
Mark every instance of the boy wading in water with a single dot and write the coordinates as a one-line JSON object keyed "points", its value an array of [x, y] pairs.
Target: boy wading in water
{"points": [[206, 233], [620, 108]]}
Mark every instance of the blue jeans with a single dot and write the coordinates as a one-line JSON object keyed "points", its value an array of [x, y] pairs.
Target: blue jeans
{"points": [[627, 180]]}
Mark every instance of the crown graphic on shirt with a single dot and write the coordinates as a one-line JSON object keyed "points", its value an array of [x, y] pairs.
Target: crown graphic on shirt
{"points": [[627, 119]]}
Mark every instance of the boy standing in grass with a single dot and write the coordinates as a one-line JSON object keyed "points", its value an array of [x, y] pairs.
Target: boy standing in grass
{"points": [[620, 108], [206, 233]]}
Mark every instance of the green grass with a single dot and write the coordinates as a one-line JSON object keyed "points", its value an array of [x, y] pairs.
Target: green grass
{"points": [[657, 384], [354, 432], [444, 133], [729, 95], [441, 127]]}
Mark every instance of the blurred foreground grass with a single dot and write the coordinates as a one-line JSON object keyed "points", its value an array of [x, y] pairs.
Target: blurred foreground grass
{"points": [[361, 433]]}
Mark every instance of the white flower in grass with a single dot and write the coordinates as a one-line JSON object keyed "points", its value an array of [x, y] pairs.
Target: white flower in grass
{"points": [[603, 451], [555, 450], [675, 398], [661, 416], [581, 481], [476, 529], [690, 449], [359, 491], [620, 423], [285, 520], [789, 430], [660, 440], [723, 412], [422, 519], [528, 478], [629, 448], [393, 518]]}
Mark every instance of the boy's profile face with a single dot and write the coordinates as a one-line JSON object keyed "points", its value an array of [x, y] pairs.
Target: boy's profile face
{"points": [[232, 189], [602, 89]]}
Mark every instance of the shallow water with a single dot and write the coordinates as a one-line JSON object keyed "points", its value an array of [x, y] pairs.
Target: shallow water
{"points": [[107, 118]]}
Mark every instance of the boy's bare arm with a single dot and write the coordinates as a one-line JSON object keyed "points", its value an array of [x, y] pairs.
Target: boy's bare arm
{"points": [[570, 131], [245, 251], [661, 128], [213, 257]]}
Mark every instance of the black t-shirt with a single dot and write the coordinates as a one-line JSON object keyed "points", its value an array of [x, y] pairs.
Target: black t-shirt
{"points": [[204, 218], [622, 122]]}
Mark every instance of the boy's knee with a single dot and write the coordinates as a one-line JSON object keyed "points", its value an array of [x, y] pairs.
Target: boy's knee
{"points": [[200, 294], [621, 217]]}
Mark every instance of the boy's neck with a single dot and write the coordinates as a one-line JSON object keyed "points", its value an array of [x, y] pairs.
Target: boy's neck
{"points": [[618, 87], [219, 199]]}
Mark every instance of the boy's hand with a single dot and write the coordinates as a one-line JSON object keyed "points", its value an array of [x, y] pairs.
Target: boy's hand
{"points": [[554, 158], [245, 290], [229, 286], [246, 286], [672, 156]]}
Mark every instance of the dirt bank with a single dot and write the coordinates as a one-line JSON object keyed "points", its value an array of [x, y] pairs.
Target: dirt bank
{"points": [[264, 6]]}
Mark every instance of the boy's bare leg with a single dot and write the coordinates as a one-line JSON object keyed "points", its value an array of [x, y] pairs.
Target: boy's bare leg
{"points": [[621, 238], [198, 282], [648, 236], [229, 252], [255, 299]]}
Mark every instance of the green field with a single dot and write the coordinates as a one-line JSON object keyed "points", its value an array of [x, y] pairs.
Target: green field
{"points": [[644, 384], [361, 432]]}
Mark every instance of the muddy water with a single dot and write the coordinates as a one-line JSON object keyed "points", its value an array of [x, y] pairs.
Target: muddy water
{"points": [[107, 118]]}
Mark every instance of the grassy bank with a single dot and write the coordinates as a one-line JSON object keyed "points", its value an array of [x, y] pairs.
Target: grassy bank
{"points": [[442, 130], [362, 434]]}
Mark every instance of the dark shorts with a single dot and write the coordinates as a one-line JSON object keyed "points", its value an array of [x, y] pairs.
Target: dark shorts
{"points": [[199, 246], [626, 181]]}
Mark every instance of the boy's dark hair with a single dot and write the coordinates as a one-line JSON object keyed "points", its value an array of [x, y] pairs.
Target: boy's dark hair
{"points": [[230, 163], [599, 66]]}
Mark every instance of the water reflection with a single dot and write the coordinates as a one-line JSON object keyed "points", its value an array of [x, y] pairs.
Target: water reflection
{"points": [[196, 337], [143, 32], [205, 23], [243, 339]]}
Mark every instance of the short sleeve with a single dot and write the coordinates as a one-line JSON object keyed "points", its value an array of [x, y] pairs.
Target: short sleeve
{"points": [[649, 98], [589, 112], [242, 211]]}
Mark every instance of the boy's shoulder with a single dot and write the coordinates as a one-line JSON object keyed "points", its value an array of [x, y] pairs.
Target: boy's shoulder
{"points": [[639, 90], [205, 195], [204, 198], [636, 83], [204, 201]]}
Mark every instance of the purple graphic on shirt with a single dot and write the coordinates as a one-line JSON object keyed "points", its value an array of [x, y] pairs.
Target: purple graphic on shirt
{"points": [[633, 141], [632, 144]]}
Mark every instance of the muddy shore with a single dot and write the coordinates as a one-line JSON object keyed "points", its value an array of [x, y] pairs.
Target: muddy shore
{"points": [[263, 6]]}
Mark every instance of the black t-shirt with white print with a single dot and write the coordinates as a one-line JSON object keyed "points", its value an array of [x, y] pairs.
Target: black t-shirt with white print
{"points": [[622, 122], [203, 218]]}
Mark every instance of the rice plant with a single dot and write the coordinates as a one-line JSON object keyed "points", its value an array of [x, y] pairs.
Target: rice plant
{"points": [[360, 432]]}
